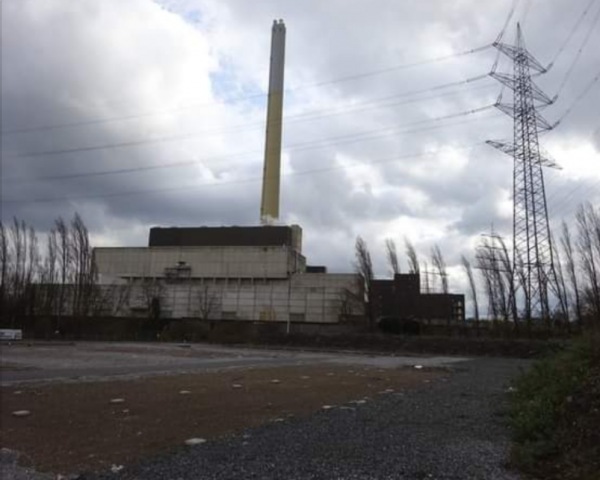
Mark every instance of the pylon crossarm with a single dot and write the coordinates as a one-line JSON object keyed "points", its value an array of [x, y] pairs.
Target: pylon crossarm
{"points": [[507, 108], [504, 78], [542, 123], [509, 50], [509, 80], [546, 161], [540, 96], [507, 148], [518, 54], [534, 64]]}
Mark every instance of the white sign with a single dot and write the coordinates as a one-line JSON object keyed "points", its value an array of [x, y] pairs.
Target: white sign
{"points": [[11, 334]]}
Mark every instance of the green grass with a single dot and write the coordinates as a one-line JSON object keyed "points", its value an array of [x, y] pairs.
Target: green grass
{"points": [[552, 409]]}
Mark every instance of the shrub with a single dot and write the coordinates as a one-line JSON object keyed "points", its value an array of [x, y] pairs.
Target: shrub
{"points": [[399, 326], [540, 402]]}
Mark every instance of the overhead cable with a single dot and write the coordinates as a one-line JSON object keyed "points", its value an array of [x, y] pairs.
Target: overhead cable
{"points": [[561, 49], [578, 54], [232, 182], [579, 97], [371, 73], [171, 138], [315, 144]]}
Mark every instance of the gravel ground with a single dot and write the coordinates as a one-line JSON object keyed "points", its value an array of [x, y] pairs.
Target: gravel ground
{"points": [[450, 429]]}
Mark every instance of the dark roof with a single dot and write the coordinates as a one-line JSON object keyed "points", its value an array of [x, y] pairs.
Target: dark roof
{"points": [[262, 236]]}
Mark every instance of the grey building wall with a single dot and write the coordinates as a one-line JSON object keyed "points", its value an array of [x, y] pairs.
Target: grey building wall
{"points": [[313, 298], [197, 262], [225, 282]]}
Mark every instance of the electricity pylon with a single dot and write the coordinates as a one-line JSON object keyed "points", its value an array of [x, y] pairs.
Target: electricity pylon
{"points": [[532, 248]]}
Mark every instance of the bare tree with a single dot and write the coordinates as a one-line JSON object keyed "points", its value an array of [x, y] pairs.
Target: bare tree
{"points": [[508, 271], [349, 303], [152, 292], [437, 259], [31, 272], [364, 268], [83, 265], [558, 285], [473, 288], [571, 267], [411, 254], [392, 255], [48, 276], [208, 301], [426, 284], [486, 264], [4, 266], [587, 220], [110, 300], [18, 272], [64, 265], [521, 276], [32, 284]]}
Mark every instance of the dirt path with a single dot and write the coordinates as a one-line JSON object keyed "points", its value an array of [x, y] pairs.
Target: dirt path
{"points": [[74, 427], [452, 428]]}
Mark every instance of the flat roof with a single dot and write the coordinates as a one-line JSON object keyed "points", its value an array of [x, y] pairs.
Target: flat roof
{"points": [[256, 236]]}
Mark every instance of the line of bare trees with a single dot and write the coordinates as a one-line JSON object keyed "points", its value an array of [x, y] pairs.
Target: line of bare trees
{"points": [[496, 281], [53, 279], [571, 289]]}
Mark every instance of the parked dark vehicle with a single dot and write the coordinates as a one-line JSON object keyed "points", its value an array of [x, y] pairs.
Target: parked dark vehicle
{"points": [[399, 326]]}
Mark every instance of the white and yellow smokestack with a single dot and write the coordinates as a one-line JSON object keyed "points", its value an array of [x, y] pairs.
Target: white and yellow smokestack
{"points": [[269, 206]]}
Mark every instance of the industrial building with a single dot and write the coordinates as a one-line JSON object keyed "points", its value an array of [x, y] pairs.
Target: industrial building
{"points": [[401, 297], [228, 273], [254, 273]]}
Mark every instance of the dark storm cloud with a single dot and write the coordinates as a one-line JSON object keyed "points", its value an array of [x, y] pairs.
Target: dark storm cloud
{"points": [[360, 155]]}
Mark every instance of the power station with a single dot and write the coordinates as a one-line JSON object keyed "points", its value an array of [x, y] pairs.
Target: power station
{"points": [[255, 273], [251, 273]]}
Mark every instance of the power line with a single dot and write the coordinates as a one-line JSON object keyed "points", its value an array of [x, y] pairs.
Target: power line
{"points": [[232, 182], [315, 144], [579, 97], [135, 143], [381, 71], [570, 35], [566, 200], [578, 54], [506, 22], [362, 106], [501, 35]]}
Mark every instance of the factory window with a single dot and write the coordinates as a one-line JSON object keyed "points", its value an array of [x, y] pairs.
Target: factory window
{"points": [[297, 317], [229, 315]]}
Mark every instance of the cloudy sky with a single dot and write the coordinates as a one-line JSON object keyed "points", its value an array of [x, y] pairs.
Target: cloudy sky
{"points": [[140, 113]]}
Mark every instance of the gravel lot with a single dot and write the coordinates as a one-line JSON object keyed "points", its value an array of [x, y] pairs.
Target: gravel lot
{"points": [[95, 361], [451, 429]]}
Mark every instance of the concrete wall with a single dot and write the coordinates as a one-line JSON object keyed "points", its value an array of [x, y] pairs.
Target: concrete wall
{"points": [[268, 284], [313, 298], [197, 262]]}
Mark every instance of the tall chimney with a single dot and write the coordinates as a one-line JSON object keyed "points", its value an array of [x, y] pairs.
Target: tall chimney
{"points": [[269, 206]]}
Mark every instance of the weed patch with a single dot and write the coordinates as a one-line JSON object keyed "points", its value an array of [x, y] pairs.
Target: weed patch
{"points": [[555, 415]]}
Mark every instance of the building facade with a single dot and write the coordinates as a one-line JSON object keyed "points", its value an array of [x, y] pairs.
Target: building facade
{"points": [[401, 297], [230, 273]]}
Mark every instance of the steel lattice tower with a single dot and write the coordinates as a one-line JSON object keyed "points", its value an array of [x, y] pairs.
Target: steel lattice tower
{"points": [[532, 249]]}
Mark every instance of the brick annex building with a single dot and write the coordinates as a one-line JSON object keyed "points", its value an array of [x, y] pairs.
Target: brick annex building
{"points": [[401, 297]]}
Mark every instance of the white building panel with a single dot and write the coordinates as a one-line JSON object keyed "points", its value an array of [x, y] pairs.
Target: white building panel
{"points": [[247, 283]]}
